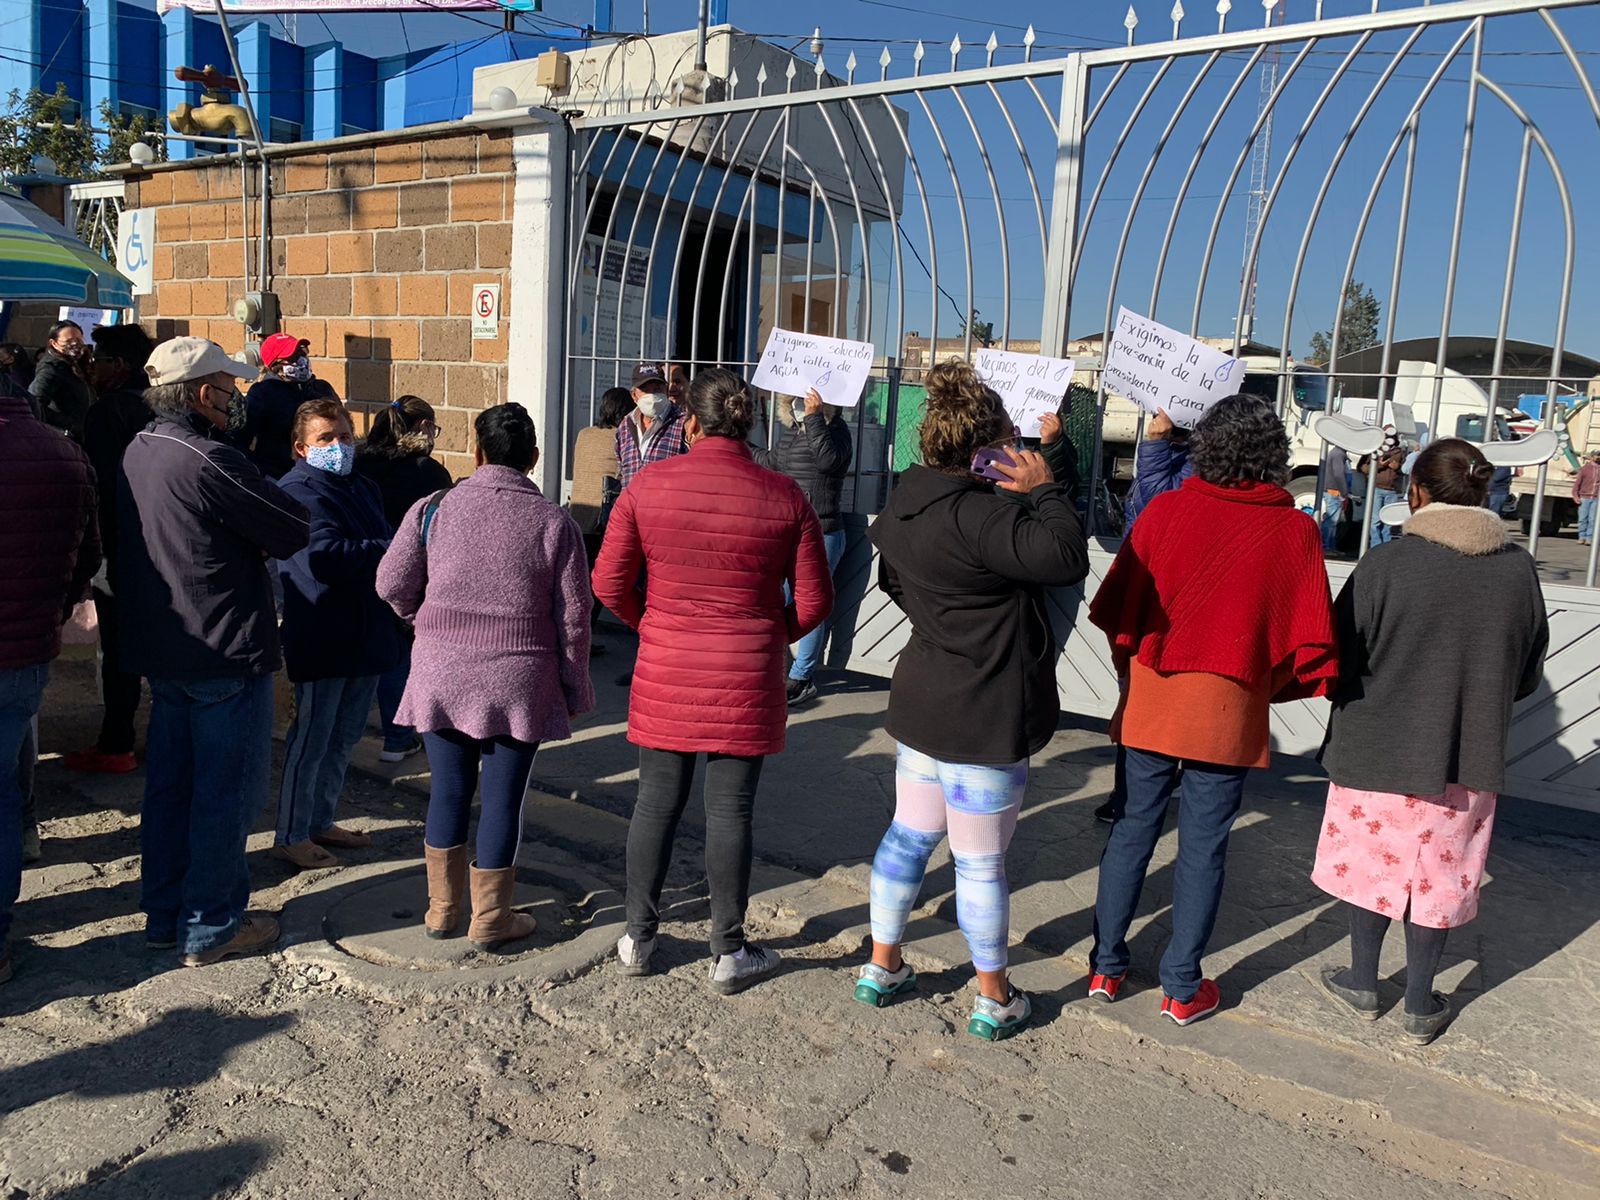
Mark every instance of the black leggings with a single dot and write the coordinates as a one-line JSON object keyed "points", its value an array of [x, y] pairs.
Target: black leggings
{"points": [[120, 690], [1424, 946], [665, 777]]}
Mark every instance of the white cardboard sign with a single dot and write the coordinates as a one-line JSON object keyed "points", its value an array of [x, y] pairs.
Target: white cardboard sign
{"points": [[1160, 369], [1030, 385], [794, 363], [87, 318]]}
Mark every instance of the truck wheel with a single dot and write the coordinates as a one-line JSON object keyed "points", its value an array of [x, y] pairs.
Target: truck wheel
{"points": [[1304, 491]]}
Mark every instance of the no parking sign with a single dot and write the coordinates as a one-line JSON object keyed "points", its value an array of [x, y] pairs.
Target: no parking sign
{"points": [[486, 310]]}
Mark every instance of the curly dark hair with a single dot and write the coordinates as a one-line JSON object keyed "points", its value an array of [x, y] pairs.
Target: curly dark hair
{"points": [[1241, 440], [964, 415]]}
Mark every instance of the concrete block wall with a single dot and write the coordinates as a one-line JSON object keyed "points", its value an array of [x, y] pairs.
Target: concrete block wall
{"points": [[376, 250]]}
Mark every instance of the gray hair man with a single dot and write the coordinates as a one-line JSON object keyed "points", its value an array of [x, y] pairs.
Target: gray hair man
{"points": [[196, 524]]}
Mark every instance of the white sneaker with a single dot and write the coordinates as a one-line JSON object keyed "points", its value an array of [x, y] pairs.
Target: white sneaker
{"points": [[393, 756], [634, 957], [732, 973]]}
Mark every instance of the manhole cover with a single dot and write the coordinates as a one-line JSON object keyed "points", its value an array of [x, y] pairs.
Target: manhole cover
{"points": [[382, 923]]}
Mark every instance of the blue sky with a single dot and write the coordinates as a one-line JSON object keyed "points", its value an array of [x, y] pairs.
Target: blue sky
{"points": [[1519, 54]]}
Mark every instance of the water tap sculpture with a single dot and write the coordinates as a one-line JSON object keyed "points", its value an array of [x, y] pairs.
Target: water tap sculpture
{"points": [[214, 114]]}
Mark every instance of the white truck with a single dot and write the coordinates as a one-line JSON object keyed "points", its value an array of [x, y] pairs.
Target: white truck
{"points": [[1462, 405]]}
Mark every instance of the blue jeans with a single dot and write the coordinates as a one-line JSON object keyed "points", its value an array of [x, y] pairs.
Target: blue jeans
{"points": [[391, 687], [1206, 811], [1586, 519], [808, 650], [1382, 533], [21, 689], [207, 776], [330, 715], [454, 762], [1332, 510]]}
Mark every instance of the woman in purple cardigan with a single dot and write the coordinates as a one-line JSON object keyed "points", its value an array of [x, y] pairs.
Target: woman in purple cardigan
{"points": [[494, 578]]}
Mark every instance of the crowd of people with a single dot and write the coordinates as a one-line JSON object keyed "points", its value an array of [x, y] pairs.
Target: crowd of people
{"points": [[243, 534]]}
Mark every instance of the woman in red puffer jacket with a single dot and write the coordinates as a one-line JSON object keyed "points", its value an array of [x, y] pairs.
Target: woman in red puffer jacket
{"points": [[696, 556]]}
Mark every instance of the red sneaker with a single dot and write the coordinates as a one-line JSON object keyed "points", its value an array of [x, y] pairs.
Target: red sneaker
{"points": [[95, 762], [1105, 987], [1207, 999]]}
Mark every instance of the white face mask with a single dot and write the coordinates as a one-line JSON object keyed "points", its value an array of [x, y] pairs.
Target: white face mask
{"points": [[653, 404]]}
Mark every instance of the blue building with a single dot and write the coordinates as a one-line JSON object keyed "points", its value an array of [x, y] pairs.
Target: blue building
{"points": [[106, 51]]}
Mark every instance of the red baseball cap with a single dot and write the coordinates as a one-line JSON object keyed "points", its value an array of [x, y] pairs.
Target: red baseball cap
{"points": [[281, 346]]}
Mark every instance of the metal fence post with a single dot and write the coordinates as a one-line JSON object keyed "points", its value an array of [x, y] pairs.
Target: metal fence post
{"points": [[1065, 199]]}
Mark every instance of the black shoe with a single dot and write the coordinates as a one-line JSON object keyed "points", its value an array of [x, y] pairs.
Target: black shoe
{"points": [[800, 691], [1110, 812]]}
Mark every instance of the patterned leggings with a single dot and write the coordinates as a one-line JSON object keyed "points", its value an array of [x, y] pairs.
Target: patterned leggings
{"points": [[979, 807]]}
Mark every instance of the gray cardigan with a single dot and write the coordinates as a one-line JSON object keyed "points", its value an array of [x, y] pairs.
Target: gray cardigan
{"points": [[1440, 632]]}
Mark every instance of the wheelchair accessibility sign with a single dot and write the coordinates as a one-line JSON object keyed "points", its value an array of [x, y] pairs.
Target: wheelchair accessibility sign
{"points": [[136, 248]]}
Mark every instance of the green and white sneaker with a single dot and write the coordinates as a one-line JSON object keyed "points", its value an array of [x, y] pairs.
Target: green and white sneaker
{"points": [[878, 987], [993, 1021]]}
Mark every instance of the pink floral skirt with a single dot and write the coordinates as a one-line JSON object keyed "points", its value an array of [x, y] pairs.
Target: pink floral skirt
{"points": [[1383, 852]]}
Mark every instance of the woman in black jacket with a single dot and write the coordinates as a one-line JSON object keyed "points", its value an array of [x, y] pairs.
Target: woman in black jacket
{"points": [[974, 692], [1441, 632], [397, 455], [815, 453]]}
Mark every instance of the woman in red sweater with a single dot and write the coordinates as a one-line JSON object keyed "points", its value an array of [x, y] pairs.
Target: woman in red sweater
{"points": [[1216, 607], [716, 538]]}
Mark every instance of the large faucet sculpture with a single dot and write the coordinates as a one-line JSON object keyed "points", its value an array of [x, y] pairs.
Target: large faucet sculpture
{"points": [[214, 114]]}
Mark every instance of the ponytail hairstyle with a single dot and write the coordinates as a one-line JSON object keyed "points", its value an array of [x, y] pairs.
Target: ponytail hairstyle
{"points": [[1452, 471], [398, 429], [721, 402]]}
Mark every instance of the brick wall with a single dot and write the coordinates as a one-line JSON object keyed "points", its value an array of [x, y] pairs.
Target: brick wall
{"points": [[375, 252]]}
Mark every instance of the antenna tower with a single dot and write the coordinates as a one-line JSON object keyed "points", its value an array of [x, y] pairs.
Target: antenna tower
{"points": [[1260, 169]]}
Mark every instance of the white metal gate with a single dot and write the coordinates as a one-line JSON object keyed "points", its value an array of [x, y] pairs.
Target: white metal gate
{"points": [[1232, 184]]}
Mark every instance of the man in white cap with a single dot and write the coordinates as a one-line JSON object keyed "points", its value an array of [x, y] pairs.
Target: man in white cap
{"points": [[196, 525]]}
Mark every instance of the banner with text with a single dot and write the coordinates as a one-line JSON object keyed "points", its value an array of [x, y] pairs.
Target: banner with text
{"points": [[333, 6], [794, 363], [1029, 385], [1162, 370]]}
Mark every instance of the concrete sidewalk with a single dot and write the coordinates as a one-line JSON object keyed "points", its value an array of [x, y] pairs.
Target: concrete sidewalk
{"points": [[1523, 975]]}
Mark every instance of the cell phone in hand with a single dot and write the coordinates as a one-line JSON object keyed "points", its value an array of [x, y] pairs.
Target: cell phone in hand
{"points": [[983, 463]]}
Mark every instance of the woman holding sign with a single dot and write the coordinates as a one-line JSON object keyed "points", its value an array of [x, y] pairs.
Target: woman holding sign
{"points": [[815, 453], [1216, 607], [974, 692]]}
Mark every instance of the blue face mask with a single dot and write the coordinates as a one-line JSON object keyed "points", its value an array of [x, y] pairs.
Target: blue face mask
{"points": [[338, 457]]}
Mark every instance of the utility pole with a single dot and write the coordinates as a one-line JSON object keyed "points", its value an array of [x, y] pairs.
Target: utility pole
{"points": [[1260, 169]]}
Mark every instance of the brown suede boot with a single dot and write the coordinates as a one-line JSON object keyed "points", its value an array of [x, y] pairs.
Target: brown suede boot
{"points": [[447, 888], [493, 920]]}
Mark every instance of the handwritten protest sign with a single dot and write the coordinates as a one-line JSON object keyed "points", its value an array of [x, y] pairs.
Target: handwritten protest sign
{"points": [[1160, 369], [1029, 385], [794, 363]]}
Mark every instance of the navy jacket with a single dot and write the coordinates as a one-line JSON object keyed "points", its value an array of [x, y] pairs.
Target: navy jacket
{"points": [[334, 625], [196, 524], [1160, 465], [109, 426]]}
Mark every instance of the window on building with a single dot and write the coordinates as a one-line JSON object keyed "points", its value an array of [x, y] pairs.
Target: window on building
{"points": [[352, 130], [279, 130], [135, 112]]}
